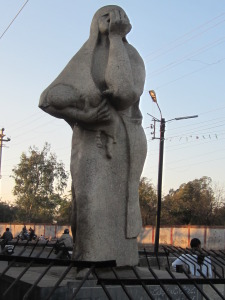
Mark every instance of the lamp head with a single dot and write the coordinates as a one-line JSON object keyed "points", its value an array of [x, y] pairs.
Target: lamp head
{"points": [[153, 95]]}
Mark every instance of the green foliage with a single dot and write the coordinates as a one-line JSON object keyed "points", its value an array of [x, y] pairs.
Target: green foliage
{"points": [[40, 181], [148, 201], [193, 203], [64, 212], [8, 212], [219, 215], [197, 202]]}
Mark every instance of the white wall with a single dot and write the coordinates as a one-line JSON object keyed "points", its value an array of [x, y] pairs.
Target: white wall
{"points": [[211, 237]]}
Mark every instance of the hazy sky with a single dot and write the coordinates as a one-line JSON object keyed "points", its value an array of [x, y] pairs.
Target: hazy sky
{"points": [[183, 47]]}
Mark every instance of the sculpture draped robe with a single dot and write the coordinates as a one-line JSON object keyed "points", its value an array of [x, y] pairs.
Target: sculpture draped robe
{"points": [[98, 94]]}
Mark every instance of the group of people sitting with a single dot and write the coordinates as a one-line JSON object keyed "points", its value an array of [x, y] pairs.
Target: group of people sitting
{"points": [[65, 238], [195, 262], [27, 234]]}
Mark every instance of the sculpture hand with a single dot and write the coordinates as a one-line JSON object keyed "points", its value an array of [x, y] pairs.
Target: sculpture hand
{"points": [[95, 114], [119, 23], [107, 93]]}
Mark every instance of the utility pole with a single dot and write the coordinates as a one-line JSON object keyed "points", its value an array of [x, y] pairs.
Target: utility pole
{"points": [[160, 173], [2, 135], [160, 169]]}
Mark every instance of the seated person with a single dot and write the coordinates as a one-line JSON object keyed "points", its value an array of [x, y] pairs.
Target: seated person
{"points": [[24, 233], [31, 234], [7, 236], [195, 261], [66, 238]]}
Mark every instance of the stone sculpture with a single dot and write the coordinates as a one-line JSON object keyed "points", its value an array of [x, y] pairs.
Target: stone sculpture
{"points": [[98, 94]]}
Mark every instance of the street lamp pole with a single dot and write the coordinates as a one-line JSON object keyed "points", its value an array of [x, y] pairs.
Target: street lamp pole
{"points": [[160, 168], [160, 172]]}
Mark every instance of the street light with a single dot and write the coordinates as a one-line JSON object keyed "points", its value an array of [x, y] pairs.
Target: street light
{"points": [[153, 95], [154, 99], [160, 169]]}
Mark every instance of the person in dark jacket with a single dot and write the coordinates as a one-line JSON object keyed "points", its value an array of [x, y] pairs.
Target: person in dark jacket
{"points": [[31, 234], [7, 236]]}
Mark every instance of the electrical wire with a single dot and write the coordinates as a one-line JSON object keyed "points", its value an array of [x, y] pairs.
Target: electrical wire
{"points": [[207, 127], [159, 87], [184, 35], [187, 56], [186, 145], [13, 19], [197, 163], [196, 132], [203, 122], [187, 74]]}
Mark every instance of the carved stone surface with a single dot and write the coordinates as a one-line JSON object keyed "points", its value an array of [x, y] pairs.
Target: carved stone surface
{"points": [[98, 94]]}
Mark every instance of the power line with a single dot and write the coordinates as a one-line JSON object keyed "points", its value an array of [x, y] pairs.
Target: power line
{"points": [[187, 56], [32, 129], [182, 43], [13, 19], [188, 74], [25, 119], [186, 34], [198, 128], [197, 163], [203, 122], [197, 131], [186, 145], [192, 157]]}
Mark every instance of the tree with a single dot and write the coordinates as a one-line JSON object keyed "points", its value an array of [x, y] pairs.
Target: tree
{"points": [[219, 210], [40, 181], [64, 211], [148, 201], [8, 212], [193, 203], [219, 216]]}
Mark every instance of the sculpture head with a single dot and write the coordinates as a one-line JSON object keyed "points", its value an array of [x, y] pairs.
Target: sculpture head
{"points": [[101, 20]]}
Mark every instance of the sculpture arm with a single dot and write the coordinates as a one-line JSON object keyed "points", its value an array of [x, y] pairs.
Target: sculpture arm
{"points": [[124, 65], [71, 113]]}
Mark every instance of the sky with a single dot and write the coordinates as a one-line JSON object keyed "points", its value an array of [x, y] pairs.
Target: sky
{"points": [[182, 44]]}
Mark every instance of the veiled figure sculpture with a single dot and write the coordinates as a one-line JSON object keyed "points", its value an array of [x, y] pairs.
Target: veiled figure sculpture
{"points": [[98, 94]]}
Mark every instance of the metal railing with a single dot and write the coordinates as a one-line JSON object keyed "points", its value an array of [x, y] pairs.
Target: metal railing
{"points": [[105, 275]]}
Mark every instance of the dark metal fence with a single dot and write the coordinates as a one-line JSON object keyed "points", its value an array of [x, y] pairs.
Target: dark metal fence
{"points": [[156, 273]]}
